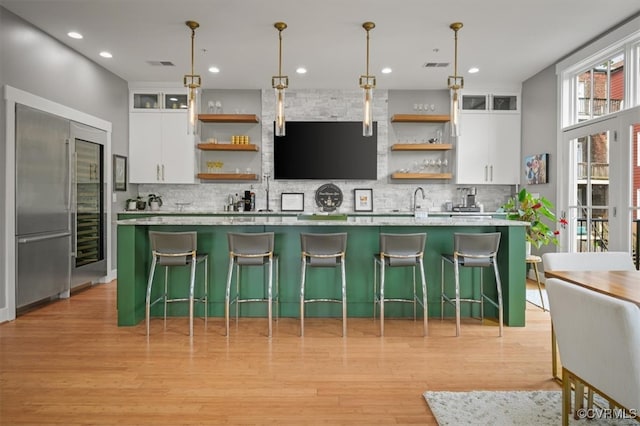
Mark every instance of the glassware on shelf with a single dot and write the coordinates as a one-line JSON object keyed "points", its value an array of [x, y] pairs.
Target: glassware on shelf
{"points": [[214, 166]]}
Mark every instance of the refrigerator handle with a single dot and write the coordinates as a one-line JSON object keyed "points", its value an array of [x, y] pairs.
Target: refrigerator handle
{"points": [[27, 240], [67, 144], [74, 214]]}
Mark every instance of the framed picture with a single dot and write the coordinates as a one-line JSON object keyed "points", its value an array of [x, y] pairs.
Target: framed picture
{"points": [[119, 173], [536, 169], [292, 202], [363, 200]]}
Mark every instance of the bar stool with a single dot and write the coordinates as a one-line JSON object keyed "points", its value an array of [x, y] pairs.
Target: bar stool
{"points": [[323, 251], [400, 250], [171, 249], [251, 249], [533, 260], [472, 251]]}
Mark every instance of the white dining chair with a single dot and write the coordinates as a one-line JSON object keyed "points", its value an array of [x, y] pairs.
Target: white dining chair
{"points": [[588, 261], [593, 261], [599, 339]]}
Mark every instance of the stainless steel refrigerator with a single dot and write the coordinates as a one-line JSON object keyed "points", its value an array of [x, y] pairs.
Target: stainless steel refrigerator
{"points": [[46, 206]]}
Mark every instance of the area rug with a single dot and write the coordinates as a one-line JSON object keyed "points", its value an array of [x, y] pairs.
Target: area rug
{"points": [[533, 297], [540, 408]]}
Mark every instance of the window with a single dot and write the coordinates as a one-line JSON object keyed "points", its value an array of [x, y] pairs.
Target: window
{"points": [[600, 89], [603, 78]]}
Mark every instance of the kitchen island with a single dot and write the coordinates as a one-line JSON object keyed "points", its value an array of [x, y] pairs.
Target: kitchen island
{"points": [[134, 260]]}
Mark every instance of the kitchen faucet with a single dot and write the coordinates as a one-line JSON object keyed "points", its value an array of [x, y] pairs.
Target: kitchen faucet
{"points": [[415, 193]]}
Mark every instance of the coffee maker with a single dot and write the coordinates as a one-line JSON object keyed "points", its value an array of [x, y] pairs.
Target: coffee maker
{"points": [[471, 197]]}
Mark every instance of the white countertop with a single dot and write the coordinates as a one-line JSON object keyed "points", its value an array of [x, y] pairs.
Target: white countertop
{"points": [[290, 214], [456, 220]]}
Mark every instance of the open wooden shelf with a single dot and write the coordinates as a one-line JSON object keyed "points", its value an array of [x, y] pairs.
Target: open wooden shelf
{"points": [[421, 147], [228, 118], [227, 147], [421, 176], [227, 176], [420, 118]]}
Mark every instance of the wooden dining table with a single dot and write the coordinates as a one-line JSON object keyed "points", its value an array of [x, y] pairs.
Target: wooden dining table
{"points": [[624, 285]]}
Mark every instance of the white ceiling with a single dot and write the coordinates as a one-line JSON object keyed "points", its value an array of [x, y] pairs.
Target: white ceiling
{"points": [[509, 40]]}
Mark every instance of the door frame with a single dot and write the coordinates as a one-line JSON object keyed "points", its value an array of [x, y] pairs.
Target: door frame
{"points": [[620, 149]]}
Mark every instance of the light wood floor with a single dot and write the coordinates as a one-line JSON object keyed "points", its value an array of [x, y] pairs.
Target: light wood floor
{"points": [[68, 363]]}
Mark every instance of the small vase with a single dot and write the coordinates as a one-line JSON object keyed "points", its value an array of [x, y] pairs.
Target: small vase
{"points": [[527, 248], [154, 205]]}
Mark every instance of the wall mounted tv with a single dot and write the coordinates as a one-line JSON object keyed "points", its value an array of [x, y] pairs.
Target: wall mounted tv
{"points": [[325, 150]]}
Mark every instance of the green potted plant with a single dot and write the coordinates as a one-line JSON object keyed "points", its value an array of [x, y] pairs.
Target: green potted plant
{"points": [[140, 203], [155, 201], [537, 211], [131, 204]]}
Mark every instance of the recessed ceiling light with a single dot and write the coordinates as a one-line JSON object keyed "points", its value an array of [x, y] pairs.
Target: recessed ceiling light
{"points": [[473, 70], [214, 70], [75, 35], [386, 70], [301, 70], [106, 54]]}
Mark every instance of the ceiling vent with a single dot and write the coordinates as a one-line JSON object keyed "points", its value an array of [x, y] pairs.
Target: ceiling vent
{"points": [[435, 64], [161, 63]]}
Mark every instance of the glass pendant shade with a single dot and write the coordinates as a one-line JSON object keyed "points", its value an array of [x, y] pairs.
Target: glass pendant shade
{"points": [[193, 111], [367, 118], [280, 121], [455, 113]]}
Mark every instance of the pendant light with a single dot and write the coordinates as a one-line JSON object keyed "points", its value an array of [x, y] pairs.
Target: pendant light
{"points": [[367, 83], [192, 81], [280, 83], [455, 83]]}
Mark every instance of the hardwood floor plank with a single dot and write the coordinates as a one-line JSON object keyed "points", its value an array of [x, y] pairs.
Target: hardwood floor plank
{"points": [[68, 363]]}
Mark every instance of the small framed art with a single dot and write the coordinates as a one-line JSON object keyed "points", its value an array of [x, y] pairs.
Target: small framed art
{"points": [[363, 200], [292, 202], [536, 169], [119, 173]]}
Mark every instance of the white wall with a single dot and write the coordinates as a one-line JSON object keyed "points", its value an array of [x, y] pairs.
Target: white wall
{"points": [[539, 130]]}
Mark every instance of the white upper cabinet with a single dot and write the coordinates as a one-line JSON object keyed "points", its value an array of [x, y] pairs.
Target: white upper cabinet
{"points": [[488, 148], [491, 102], [160, 148]]}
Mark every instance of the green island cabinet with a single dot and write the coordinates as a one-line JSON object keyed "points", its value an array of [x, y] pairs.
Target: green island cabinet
{"points": [[134, 261]]}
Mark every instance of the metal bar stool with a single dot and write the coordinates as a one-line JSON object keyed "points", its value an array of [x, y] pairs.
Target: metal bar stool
{"points": [[324, 251], [400, 250], [472, 251], [251, 249], [171, 249]]}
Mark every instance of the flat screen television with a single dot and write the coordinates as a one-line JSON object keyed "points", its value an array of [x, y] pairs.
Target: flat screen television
{"points": [[325, 150]]}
